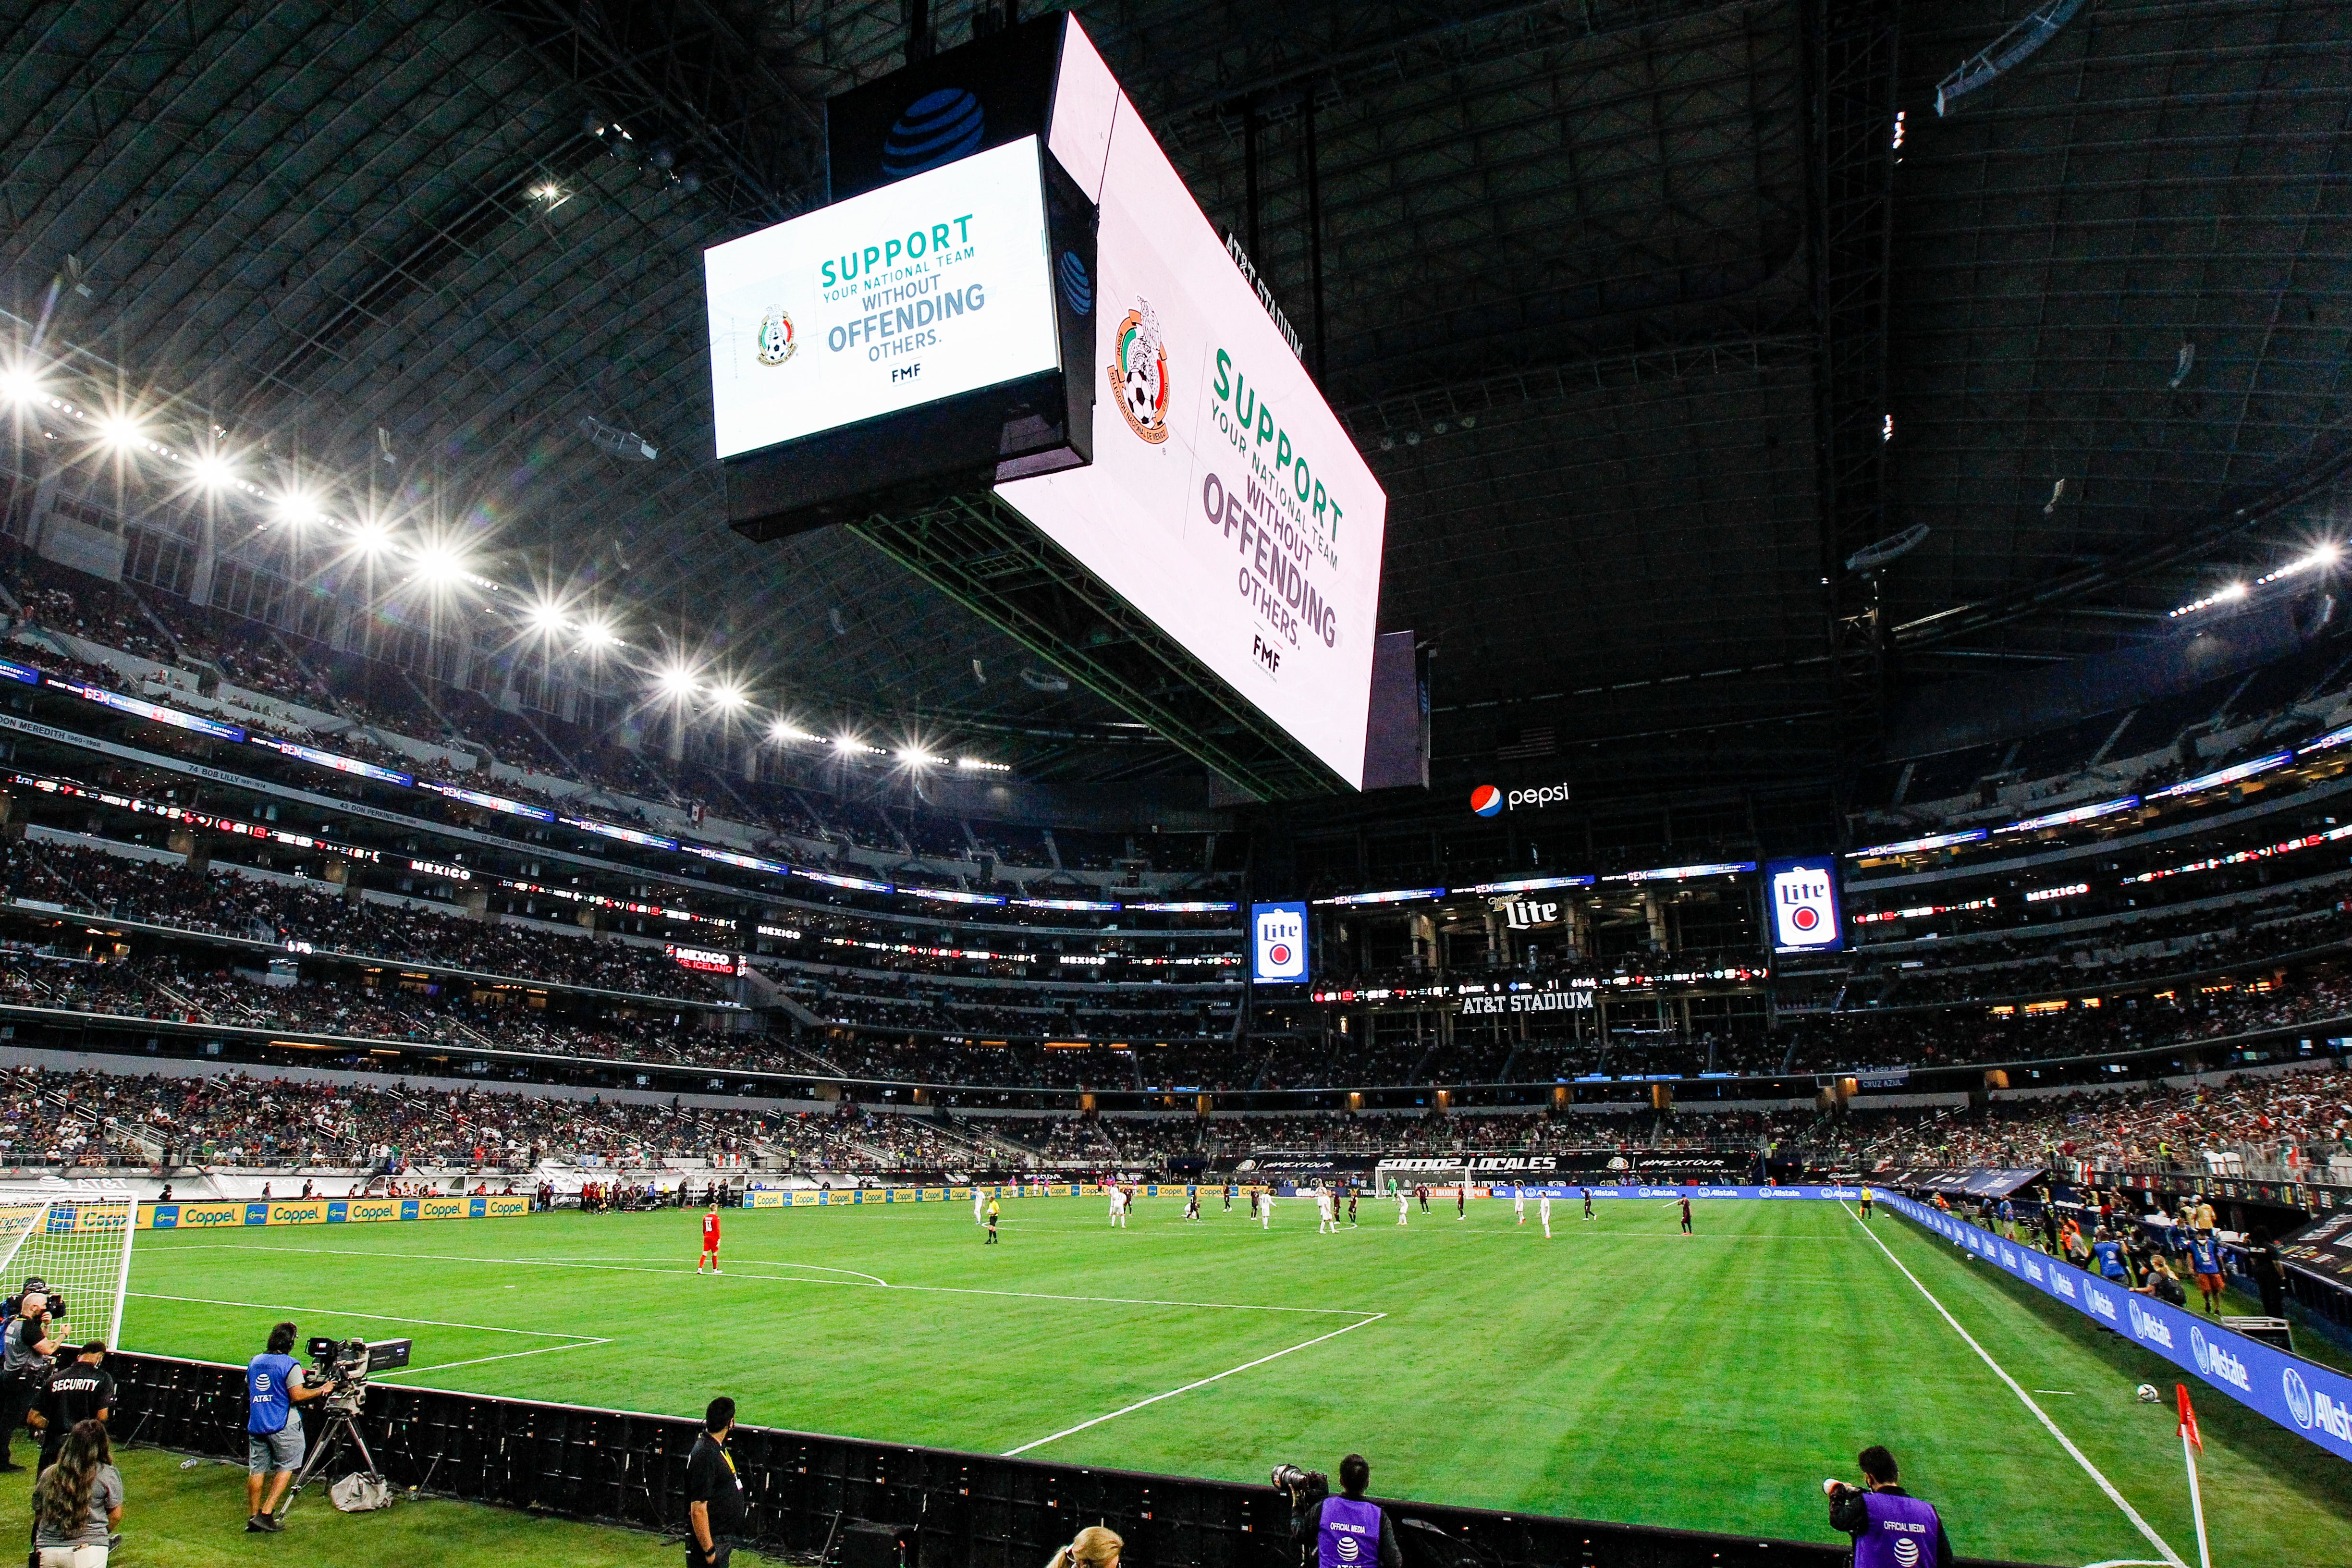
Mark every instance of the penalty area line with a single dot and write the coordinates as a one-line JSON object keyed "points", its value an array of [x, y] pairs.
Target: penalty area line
{"points": [[2171, 1558], [1201, 1383], [576, 1341]]}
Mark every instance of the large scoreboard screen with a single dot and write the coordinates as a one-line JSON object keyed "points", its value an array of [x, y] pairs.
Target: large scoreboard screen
{"points": [[1224, 501], [933, 286]]}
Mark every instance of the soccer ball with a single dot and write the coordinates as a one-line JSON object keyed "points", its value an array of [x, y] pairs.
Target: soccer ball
{"points": [[2147, 1394]]}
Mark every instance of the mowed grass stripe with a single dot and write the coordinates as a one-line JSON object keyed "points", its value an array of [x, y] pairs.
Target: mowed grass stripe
{"points": [[1619, 1371]]}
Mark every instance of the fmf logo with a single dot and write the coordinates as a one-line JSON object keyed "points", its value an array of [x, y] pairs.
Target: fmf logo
{"points": [[1486, 800]]}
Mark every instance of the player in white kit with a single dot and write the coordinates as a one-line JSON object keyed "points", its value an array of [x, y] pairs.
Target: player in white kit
{"points": [[977, 1216], [1266, 1212], [1543, 1208], [1118, 1207], [1520, 1207], [1403, 1202], [1326, 1222]]}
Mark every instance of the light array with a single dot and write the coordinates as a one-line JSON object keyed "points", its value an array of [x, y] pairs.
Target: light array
{"points": [[438, 565], [2325, 554]]}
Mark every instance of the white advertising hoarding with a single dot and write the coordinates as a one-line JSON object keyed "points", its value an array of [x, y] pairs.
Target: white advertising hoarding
{"points": [[1224, 501], [924, 289]]}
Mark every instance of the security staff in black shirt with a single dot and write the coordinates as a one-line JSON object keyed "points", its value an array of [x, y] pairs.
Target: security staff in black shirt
{"points": [[714, 1490], [81, 1390]]}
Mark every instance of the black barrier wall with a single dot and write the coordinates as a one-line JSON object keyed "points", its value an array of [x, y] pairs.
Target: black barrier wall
{"points": [[951, 1509]]}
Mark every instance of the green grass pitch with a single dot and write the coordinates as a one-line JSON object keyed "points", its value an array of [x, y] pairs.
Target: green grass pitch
{"points": [[1617, 1371]]}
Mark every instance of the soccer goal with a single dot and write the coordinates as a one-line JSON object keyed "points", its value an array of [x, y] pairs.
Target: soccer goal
{"points": [[78, 1239]]}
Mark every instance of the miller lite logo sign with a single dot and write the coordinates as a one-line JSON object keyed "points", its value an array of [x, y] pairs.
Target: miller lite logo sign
{"points": [[1278, 943], [1805, 909]]}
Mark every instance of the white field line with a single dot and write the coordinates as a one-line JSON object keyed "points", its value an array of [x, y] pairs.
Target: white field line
{"points": [[577, 1341], [2171, 1558], [863, 1281], [1202, 1383]]}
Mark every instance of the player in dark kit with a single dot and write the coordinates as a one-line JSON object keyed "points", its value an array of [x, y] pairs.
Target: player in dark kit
{"points": [[1687, 1228], [1352, 1208], [1588, 1202]]}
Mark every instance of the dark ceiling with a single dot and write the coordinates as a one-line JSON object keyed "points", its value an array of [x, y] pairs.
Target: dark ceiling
{"points": [[1578, 307]]}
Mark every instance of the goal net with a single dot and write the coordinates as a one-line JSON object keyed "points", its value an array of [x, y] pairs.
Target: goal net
{"points": [[78, 1241]]}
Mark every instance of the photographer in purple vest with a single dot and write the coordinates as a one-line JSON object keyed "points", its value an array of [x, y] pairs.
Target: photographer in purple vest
{"points": [[1891, 1529], [1347, 1531]]}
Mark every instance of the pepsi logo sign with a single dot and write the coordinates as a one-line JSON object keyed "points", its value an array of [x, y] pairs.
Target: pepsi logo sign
{"points": [[1486, 799]]}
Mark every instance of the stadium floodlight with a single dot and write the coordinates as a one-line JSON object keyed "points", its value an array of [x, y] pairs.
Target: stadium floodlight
{"points": [[914, 757], [981, 766], [298, 508], [438, 565], [729, 698], [20, 384], [547, 618], [213, 471], [780, 732], [596, 634], [121, 431], [371, 538], [846, 744], [676, 681]]}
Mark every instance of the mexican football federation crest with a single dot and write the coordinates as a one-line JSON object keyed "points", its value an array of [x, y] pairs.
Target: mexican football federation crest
{"points": [[777, 344], [1139, 374]]}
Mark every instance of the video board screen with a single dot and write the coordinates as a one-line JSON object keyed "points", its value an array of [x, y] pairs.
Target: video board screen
{"points": [[1803, 897], [1226, 501], [922, 289]]}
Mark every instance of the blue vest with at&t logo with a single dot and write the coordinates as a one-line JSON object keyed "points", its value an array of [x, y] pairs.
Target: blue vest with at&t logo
{"points": [[1901, 1533], [1350, 1535]]}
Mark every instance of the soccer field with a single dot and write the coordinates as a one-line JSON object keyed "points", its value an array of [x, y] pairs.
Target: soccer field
{"points": [[1619, 1371]]}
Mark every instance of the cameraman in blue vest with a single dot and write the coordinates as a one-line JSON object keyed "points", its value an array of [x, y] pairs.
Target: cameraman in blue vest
{"points": [[1891, 1529], [1347, 1531]]}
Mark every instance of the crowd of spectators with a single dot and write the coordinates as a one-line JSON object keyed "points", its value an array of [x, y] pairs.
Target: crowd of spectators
{"points": [[222, 902], [2296, 1118], [383, 699]]}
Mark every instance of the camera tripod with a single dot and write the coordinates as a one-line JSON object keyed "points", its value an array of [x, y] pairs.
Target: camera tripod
{"points": [[340, 1426]]}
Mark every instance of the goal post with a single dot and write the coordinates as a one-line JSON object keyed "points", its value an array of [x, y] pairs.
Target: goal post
{"points": [[76, 1238]]}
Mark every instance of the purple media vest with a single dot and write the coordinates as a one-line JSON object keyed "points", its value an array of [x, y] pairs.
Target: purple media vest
{"points": [[1901, 1533], [1350, 1535]]}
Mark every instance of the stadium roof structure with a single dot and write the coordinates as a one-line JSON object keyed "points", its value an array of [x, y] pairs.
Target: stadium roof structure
{"points": [[1649, 313]]}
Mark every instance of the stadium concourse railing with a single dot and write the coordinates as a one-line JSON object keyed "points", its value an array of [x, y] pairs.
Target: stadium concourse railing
{"points": [[940, 1509]]}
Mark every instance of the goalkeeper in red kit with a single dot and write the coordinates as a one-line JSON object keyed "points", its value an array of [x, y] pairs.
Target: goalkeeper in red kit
{"points": [[709, 1242]]}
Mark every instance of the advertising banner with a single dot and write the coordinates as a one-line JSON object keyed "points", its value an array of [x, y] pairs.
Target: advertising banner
{"points": [[2308, 1399], [1278, 943], [2324, 1247], [221, 1214], [1803, 897]]}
